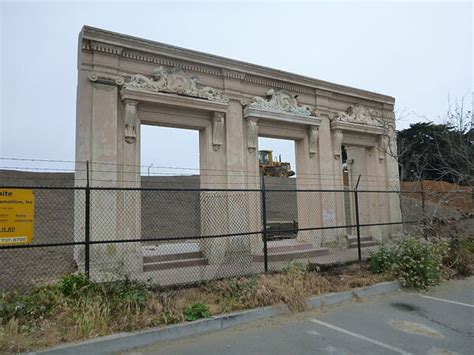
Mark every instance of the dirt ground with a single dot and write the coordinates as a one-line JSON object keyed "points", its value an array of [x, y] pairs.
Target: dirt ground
{"points": [[447, 194]]}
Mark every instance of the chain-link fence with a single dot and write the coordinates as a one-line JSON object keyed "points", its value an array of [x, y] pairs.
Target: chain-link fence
{"points": [[177, 236]]}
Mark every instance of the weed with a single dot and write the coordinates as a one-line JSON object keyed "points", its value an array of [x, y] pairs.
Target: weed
{"points": [[75, 308], [196, 311], [75, 285]]}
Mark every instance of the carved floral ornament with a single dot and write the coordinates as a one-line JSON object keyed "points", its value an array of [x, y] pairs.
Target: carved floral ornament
{"points": [[358, 114], [174, 81], [278, 101]]}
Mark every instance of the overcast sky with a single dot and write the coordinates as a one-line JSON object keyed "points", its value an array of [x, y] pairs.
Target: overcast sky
{"points": [[420, 53]]}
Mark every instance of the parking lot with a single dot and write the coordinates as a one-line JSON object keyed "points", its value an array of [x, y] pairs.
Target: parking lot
{"points": [[440, 321]]}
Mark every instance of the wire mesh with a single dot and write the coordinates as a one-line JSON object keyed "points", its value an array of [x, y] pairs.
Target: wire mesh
{"points": [[172, 236]]}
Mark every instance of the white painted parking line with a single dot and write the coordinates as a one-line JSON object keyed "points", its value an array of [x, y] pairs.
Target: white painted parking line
{"points": [[448, 301], [362, 337]]}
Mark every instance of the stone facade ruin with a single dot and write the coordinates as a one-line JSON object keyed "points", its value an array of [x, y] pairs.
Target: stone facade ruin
{"points": [[125, 82]]}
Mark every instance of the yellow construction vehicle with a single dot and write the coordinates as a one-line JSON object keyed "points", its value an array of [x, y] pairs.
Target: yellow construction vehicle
{"points": [[270, 167]]}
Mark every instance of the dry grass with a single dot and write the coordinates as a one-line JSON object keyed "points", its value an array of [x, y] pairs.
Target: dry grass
{"points": [[93, 311]]}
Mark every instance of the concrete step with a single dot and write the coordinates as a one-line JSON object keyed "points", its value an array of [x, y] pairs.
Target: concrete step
{"points": [[363, 238], [174, 264], [363, 244], [172, 256], [286, 246], [292, 255]]}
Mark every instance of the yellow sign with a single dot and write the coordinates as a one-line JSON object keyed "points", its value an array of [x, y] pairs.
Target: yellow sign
{"points": [[17, 216]]}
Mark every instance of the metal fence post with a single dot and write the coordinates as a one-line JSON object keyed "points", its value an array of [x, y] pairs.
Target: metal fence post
{"points": [[87, 225], [356, 201], [423, 210], [264, 224]]}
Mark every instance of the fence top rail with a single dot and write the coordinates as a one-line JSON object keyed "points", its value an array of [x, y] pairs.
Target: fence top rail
{"points": [[42, 187], [96, 188]]}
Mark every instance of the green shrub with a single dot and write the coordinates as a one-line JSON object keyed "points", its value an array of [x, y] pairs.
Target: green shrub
{"points": [[382, 260], [196, 311], [38, 304], [76, 285], [460, 257], [418, 264]]}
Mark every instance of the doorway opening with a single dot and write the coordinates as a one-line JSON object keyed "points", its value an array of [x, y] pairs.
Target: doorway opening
{"points": [[277, 161], [169, 161]]}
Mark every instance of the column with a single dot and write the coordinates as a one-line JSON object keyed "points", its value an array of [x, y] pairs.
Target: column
{"points": [[243, 206], [307, 178], [359, 167], [331, 179], [214, 204], [374, 181], [250, 148], [129, 202]]}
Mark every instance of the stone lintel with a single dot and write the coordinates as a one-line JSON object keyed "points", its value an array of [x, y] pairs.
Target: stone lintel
{"points": [[173, 100], [357, 127]]}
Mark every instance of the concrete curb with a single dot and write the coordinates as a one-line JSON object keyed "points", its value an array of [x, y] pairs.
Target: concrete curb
{"points": [[125, 341]]}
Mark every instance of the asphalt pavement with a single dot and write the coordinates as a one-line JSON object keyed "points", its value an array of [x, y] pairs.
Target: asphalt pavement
{"points": [[440, 321]]}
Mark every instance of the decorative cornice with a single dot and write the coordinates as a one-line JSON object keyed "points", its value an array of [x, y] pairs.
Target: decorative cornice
{"points": [[278, 101], [278, 84], [264, 73], [174, 81], [162, 61], [233, 74], [105, 48]]}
